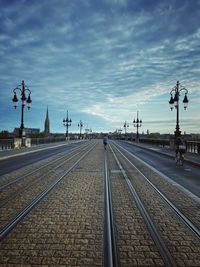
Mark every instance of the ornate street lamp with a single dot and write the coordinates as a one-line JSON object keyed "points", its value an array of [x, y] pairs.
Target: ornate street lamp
{"points": [[137, 123], [80, 124], [24, 100], [174, 102], [126, 125], [67, 123]]}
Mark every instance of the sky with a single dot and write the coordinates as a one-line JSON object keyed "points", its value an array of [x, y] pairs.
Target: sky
{"points": [[102, 60]]}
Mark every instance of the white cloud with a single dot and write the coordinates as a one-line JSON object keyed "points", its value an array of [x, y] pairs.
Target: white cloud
{"points": [[104, 63]]}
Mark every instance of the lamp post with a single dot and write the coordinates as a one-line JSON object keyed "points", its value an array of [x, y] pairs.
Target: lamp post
{"points": [[137, 123], [67, 123], [125, 126], [24, 100], [80, 124], [174, 102]]}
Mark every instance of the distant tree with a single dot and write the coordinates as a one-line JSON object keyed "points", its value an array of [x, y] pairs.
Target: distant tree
{"points": [[4, 134], [152, 136], [42, 135], [38, 135]]}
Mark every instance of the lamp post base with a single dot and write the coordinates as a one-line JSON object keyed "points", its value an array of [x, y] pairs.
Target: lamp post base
{"points": [[137, 140]]}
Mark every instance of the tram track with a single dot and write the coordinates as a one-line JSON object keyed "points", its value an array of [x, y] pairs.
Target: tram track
{"points": [[110, 248], [127, 241], [104, 214], [12, 214], [10, 179], [166, 256], [183, 204], [173, 233], [44, 177], [22, 183]]}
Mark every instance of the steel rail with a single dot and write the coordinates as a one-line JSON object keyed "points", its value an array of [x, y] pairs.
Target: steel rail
{"points": [[32, 172], [164, 252], [5, 200], [110, 258], [9, 226], [179, 214], [167, 178]]}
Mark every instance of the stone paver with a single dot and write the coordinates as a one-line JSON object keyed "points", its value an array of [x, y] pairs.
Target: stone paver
{"points": [[172, 230], [135, 245], [16, 196], [66, 228]]}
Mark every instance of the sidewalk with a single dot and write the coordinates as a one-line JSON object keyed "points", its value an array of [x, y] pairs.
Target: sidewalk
{"points": [[192, 158]]}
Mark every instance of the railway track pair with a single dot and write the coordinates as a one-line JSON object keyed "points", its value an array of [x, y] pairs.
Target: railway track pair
{"points": [[141, 225], [21, 194], [174, 250]]}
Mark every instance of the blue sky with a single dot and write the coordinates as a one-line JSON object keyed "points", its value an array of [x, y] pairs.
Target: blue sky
{"points": [[102, 60]]}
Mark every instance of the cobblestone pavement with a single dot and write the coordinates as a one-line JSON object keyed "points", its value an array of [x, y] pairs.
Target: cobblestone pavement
{"points": [[9, 177], [17, 195], [67, 227], [135, 245], [182, 243]]}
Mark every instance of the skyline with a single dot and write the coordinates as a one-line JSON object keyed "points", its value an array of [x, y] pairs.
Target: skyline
{"points": [[102, 61]]}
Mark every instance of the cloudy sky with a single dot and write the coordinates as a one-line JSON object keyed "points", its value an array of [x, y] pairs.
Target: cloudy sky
{"points": [[103, 60]]}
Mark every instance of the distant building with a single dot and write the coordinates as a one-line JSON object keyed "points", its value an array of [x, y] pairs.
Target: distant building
{"points": [[47, 123], [28, 131]]}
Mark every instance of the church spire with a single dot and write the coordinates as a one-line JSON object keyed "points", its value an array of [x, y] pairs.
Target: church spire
{"points": [[47, 123]]}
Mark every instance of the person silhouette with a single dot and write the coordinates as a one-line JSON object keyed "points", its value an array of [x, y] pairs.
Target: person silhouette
{"points": [[105, 141]]}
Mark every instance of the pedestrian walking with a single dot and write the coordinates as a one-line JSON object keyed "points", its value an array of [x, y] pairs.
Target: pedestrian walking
{"points": [[105, 141]]}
